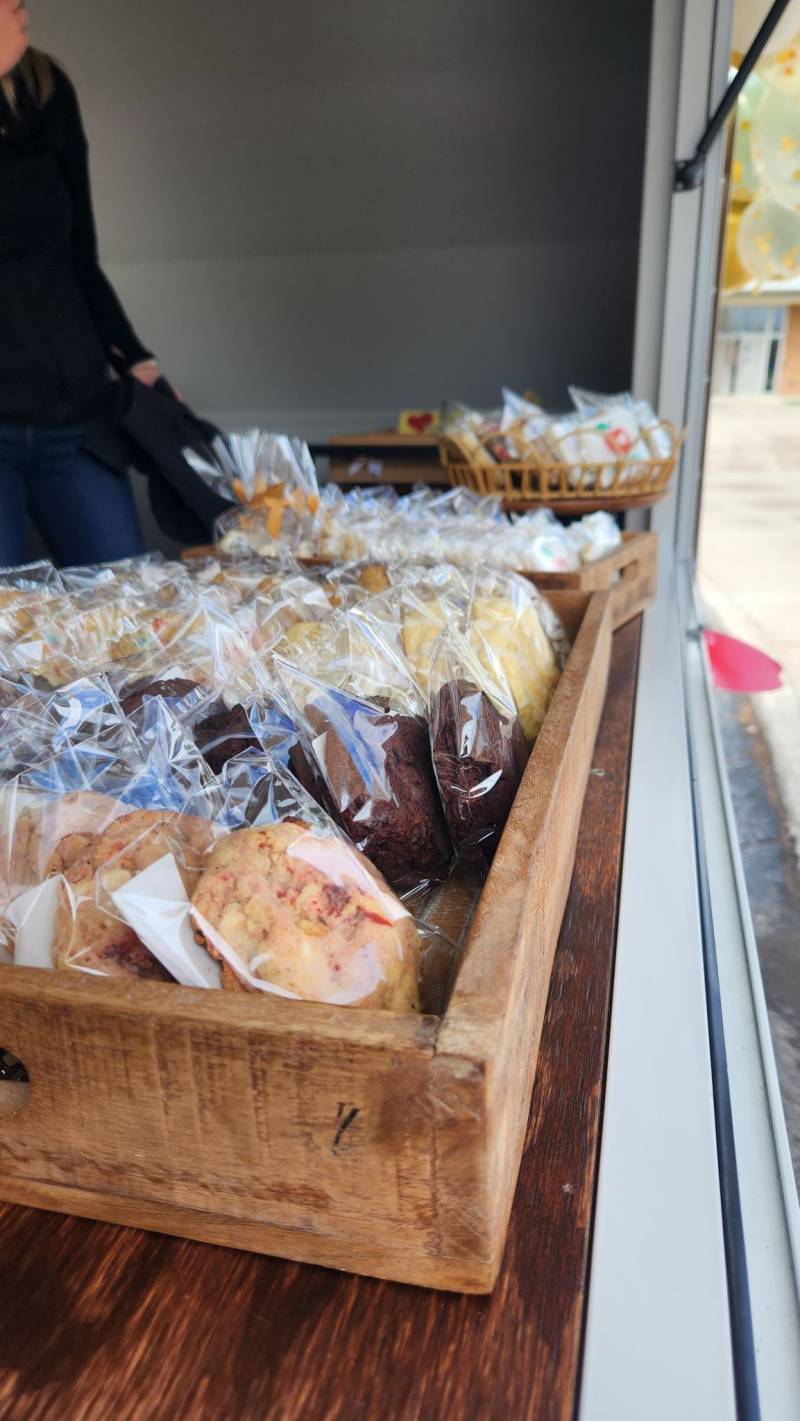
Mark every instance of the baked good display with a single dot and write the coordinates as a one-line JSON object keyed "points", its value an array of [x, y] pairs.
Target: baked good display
{"points": [[175, 688], [224, 733], [378, 773], [326, 674], [479, 755], [87, 935], [295, 911], [516, 637], [86, 938]]}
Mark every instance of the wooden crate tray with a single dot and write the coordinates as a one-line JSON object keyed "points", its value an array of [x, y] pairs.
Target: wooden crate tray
{"points": [[380, 1144], [630, 573]]}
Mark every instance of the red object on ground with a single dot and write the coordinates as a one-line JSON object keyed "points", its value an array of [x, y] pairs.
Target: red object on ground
{"points": [[736, 666]]}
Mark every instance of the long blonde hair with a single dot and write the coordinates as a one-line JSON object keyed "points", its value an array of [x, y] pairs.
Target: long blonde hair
{"points": [[35, 73]]}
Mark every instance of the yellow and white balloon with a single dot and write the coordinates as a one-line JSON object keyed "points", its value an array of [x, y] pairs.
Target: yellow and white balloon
{"points": [[765, 178], [775, 145], [781, 69], [744, 178], [769, 240]]}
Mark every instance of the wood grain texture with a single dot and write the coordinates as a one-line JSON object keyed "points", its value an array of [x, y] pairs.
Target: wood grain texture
{"points": [[630, 572], [386, 1145], [103, 1322]]}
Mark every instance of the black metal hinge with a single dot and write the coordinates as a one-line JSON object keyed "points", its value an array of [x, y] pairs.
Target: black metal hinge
{"points": [[689, 172]]}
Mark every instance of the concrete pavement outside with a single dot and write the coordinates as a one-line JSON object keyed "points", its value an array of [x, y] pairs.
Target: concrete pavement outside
{"points": [[749, 574], [749, 557]]}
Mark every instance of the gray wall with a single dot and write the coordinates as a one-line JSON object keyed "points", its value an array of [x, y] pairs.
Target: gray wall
{"points": [[319, 212]]}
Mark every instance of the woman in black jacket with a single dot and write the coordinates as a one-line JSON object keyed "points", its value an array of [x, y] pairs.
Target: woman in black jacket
{"points": [[62, 327]]}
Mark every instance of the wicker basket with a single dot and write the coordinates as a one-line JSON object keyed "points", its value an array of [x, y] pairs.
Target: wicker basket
{"points": [[552, 482]]}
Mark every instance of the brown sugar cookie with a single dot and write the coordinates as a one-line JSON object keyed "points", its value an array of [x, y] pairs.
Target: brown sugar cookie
{"points": [[305, 913]]}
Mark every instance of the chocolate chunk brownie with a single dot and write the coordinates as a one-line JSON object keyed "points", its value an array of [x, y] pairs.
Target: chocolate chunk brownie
{"points": [[223, 734], [479, 755], [171, 690], [379, 775]]}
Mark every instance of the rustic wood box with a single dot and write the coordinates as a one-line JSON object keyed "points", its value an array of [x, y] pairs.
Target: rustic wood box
{"points": [[630, 573], [381, 1144]]}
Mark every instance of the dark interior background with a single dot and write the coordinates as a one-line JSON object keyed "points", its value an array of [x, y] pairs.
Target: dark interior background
{"points": [[318, 213]]}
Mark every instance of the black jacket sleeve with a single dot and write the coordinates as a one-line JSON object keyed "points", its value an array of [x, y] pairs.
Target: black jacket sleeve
{"points": [[115, 330]]}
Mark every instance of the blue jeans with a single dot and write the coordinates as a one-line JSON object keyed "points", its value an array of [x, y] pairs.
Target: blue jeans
{"points": [[84, 512]]}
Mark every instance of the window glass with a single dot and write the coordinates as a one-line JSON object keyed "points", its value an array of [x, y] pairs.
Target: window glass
{"points": [[749, 536]]}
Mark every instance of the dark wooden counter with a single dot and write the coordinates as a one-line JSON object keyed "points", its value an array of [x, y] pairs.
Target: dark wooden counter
{"points": [[98, 1322]]}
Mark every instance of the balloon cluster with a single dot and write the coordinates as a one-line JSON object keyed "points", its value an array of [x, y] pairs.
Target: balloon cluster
{"points": [[763, 238]]}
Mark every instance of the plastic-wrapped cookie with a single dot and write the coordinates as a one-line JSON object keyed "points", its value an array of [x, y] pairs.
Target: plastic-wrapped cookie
{"points": [[380, 782], [289, 909], [68, 827], [479, 755], [73, 857], [137, 840], [88, 935], [86, 938]]}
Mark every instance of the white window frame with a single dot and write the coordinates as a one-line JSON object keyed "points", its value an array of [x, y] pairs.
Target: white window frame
{"points": [[665, 1298]]}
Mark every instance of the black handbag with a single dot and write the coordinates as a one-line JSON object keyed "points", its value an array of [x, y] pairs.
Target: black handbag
{"points": [[149, 427]]}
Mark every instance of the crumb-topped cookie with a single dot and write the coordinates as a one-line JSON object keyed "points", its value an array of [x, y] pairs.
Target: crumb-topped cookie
{"points": [[294, 909], [88, 939], [87, 935]]}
